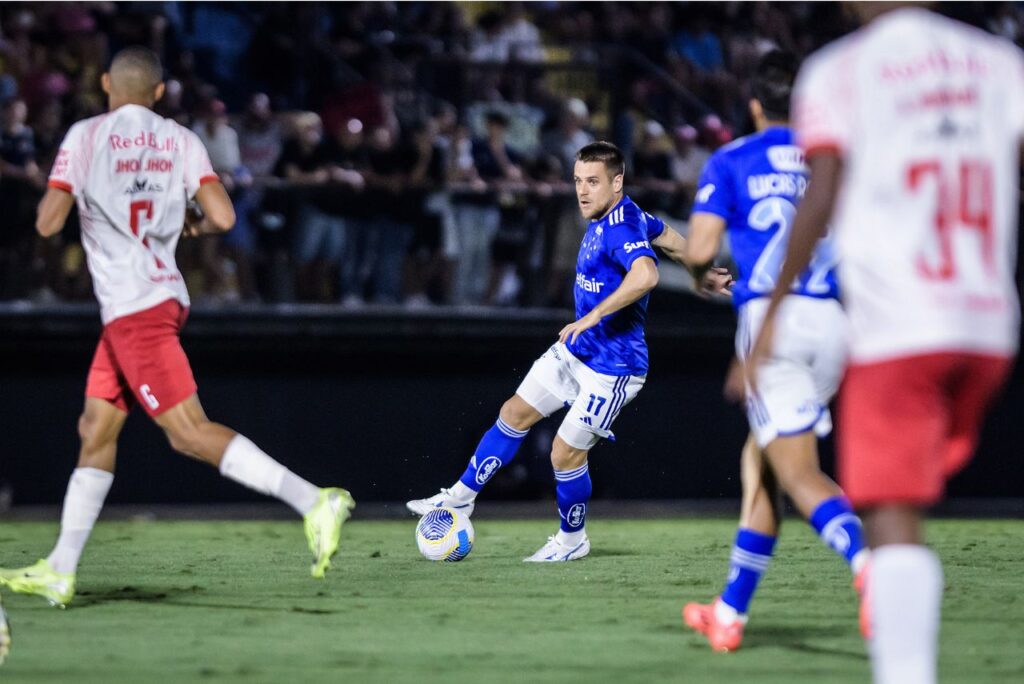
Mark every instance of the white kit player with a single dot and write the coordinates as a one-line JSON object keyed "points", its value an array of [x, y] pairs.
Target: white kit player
{"points": [[911, 128], [131, 173]]}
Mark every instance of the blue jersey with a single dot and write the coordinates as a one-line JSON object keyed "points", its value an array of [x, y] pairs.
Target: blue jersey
{"points": [[755, 184], [616, 345]]}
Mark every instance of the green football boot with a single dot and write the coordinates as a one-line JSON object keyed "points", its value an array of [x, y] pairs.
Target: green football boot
{"points": [[323, 526], [42, 580]]}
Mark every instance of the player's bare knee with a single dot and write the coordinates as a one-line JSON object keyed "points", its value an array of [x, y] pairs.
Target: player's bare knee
{"points": [[517, 414], [90, 432], [565, 457], [186, 439]]}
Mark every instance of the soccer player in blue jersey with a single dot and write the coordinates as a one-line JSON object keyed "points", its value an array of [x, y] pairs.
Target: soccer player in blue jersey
{"points": [[750, 189], [599, 362]]}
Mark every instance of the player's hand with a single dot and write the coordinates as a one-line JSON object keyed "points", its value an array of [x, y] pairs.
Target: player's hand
{"points": [[717, 280], [760, 352], [734, 390], [572, 331], [193, 220]]}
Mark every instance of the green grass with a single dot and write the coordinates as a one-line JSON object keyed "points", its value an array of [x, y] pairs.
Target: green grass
{"points": [[232, 602]]}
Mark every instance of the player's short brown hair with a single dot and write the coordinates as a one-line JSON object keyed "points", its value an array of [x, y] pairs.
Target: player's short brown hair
{"points": [[605, 152]]}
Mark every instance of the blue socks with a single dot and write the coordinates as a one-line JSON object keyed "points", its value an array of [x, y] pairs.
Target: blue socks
{"points": [[750, 556], [572, 488], [497, 448], [834, 521], [839, 527]]}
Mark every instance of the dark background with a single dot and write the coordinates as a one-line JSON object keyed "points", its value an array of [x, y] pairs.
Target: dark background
{"points": [[391, 406]]}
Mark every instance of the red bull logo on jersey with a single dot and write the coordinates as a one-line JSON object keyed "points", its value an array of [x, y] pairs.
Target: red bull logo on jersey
{"points": [[143, 139], [588, 284]]}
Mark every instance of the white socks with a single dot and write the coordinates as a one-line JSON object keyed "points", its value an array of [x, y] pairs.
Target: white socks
{"points": [[87, 489], [246, 464], [462, 494], [570, 538], [906, 597]]}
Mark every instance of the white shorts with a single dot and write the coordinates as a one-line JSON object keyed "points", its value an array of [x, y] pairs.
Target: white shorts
{"points": [[558, 380], [796, 384]]}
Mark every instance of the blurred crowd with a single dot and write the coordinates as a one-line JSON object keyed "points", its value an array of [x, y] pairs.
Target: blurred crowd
{"points": [[405, 153]]}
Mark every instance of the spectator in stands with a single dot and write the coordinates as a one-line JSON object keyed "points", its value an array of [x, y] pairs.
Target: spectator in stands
{"points": [[21, 183], [481, 164], [228, 258], [652, 167], [686, 164], [387, 184], [426, 266], [350, 162], [699, 45], [570, 136], [318, 236], [520, 35], [488, 44], [259, 137]]}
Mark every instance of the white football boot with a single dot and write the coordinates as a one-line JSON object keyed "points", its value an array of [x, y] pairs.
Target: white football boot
{"points": [[555, 551], [442, 499]]}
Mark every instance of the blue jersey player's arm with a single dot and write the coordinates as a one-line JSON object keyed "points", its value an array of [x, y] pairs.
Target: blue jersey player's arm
{"points": [[714, 203], [629, 245], [714, 280], [640, 279]]}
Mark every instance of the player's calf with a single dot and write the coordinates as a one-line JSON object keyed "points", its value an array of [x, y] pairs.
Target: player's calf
{"points": [[496, 449]]}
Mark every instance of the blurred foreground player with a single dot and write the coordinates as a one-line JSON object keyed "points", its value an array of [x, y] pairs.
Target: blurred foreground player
{"points": [[5, 634], [598, 364], [911, 128], [751, 189], [132, 172]]}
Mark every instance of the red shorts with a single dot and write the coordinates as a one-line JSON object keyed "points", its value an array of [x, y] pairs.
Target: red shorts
{"points": [[907, 425], [139, 357]]}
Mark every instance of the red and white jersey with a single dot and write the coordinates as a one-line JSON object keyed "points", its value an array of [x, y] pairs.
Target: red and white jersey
{"points": [[927, 114], [131, 172]]}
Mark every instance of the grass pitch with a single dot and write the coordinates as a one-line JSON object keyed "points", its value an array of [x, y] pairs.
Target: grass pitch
{"points": [[232, 602]]}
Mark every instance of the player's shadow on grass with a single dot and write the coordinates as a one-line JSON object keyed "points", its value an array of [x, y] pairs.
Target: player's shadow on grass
{"points": [[605, 552], [799, 639], [95, 597], [178, 596]]}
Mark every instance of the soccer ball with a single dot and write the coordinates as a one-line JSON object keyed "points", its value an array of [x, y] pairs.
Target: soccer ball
{"points": [[444, 535]]}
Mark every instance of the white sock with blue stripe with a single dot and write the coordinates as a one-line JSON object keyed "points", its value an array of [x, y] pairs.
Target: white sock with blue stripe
{"points": [[573, 489], [496, 449]]}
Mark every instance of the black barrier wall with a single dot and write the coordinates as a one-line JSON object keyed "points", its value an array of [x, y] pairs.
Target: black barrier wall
{"points": [[391, 407]]}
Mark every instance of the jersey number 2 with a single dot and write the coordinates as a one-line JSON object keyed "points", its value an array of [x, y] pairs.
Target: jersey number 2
{"points": [[963, 199], [138, 211]]}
